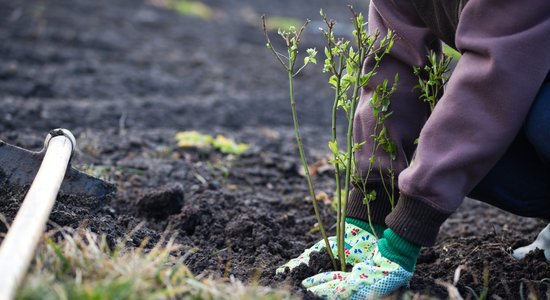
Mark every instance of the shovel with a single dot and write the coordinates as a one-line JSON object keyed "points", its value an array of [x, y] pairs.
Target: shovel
{"points": [[52, 174], [18, 167]]}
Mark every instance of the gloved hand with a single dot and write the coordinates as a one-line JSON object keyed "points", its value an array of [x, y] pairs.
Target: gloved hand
{"points": [[542, 242], [376, 277], [359, 245]]}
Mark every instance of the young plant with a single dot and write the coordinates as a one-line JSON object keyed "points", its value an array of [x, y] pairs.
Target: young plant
{"points": [[344, 61], [292, 37], [380, 103], [432, 78]]}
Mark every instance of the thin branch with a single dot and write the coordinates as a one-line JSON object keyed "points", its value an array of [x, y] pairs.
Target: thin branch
{"points": [[302, 30], [299, 70], [270, 45]]}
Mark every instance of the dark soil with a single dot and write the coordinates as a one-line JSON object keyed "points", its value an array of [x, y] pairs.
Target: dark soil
{"points": [[124, 76]]}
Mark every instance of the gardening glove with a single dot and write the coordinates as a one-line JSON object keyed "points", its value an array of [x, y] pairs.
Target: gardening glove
{"points": [[542, 242], [359, 245], [376, 277]]}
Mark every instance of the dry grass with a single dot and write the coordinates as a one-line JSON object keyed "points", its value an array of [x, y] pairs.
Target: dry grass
{"points": [[82, 266]]}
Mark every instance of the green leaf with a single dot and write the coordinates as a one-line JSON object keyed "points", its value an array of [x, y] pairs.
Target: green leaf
{"points": [[370, 196], [333, 146], [228, 146], [193, 139], [364, 79], [333, 80], [348, 79], [312, 53], [326, 66], [390, 46], [356, 147]]}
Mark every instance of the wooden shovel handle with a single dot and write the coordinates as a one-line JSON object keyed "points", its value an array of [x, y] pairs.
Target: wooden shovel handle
{"points": [[18, 247]]}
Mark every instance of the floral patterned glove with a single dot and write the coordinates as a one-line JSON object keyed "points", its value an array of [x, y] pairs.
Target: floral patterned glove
{"points": [[376, 277], [359, 246]]}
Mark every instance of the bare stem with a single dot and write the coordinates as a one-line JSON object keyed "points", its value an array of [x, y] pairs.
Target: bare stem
{"points": [[291, 58], [341, 252], [370, 221], [351, 118], [305, 166]]}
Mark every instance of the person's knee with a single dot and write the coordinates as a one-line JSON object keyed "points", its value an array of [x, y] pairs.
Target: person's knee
{"points": [[537, 125], [539, 136]]}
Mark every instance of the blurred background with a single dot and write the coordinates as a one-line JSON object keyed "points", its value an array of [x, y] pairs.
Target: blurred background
{"points": [[144, 64]]}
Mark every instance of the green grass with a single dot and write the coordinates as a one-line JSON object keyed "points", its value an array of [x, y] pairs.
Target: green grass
{"points": [[275, 22], [83, 266], [194, 139], [191, 8]]}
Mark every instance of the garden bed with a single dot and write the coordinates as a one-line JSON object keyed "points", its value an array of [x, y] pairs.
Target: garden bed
{"points": [[126, 76]]}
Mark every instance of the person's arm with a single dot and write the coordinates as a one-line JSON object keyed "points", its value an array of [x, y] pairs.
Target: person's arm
{"points": [[505, 58], [413, 43]]}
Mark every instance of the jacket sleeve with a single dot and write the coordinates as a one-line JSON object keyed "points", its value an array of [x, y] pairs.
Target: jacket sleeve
{"points": [[505, 58], [413, 43]]}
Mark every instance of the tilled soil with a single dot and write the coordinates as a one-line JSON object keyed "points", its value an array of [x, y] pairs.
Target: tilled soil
{"points": [[125, 76]]}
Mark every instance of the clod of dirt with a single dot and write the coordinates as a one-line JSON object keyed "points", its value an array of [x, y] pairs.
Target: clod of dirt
{"points": [[319, 262], [535, 256], [161, 203]]}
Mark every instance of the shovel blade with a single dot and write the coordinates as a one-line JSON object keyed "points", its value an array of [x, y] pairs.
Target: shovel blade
{"points": [[18, 167]]}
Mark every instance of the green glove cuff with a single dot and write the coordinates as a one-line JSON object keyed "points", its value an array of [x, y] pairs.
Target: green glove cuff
{"points": [[399, 250], [378, 229]]}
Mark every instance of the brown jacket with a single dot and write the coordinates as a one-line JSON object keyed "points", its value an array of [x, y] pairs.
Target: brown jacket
{"points": [[505, 48]]}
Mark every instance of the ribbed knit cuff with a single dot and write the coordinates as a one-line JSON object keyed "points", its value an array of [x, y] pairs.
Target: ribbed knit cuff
{"points": [[416, 221], [379, 208], [378, 229], [399, 250]]}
